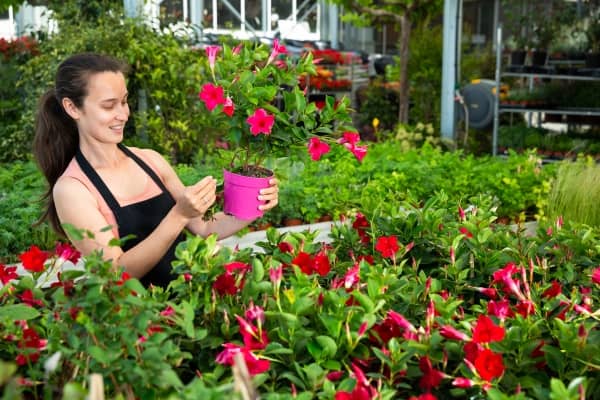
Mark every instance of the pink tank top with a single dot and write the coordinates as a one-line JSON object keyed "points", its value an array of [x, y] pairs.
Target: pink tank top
{"points": [[74, 171]]}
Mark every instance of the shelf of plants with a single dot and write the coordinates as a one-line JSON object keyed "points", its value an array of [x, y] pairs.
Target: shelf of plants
{"points": [[537, 98]]}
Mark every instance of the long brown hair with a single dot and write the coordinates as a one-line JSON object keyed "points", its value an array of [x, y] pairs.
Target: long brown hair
{"points": [[56, 136]]}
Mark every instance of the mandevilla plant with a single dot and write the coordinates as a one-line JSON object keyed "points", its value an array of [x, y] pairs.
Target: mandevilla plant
{"points": [[432, 301], [254, 97]]}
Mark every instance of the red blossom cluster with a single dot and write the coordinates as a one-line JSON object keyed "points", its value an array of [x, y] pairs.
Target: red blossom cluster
{"points": [[24, 46]]}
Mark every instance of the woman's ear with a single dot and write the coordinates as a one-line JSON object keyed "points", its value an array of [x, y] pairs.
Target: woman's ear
{"points": [[70, 108]]}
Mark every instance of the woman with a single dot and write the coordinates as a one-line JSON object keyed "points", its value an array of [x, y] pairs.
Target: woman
{"points": [[96, 182]]}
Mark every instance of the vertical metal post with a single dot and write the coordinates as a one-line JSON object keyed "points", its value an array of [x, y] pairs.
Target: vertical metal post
{"points": [[497, 94], [449, 69]]}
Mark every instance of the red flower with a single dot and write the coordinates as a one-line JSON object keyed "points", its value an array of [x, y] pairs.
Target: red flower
{"points": [[387, 246], [33, 259], [261, 122], [225, 284], [321, 264], [317, 148], [237, 266], [27, 298], [465, 232], [124, 277], [285, 247], [361, 225], [485, 331], [228, 107], [471, 350], [489, 365], [304, 261], [431, 377], [553, 290], [526, 308], [7, 274], [212, 96]]}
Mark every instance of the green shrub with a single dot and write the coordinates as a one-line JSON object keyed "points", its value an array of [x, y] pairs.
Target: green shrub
{"points": [[163, 83]]}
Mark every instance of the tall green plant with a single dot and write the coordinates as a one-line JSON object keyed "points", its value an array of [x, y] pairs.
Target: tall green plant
{"points": [[575, 194]]}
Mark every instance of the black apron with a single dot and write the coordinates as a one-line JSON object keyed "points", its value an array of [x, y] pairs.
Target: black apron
{"points": [[139, 219]]}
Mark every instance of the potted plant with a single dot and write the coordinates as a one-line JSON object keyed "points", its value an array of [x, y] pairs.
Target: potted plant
{"points": [[253, 96], [516, 21]]}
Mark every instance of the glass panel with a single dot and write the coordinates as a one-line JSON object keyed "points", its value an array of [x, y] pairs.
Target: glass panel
{"points": [[228, 14], [254, 14], [280, 10], [171, 11], [207, 15]]}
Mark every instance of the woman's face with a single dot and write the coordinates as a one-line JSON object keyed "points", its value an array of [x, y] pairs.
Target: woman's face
{"points": [[105, 110]]}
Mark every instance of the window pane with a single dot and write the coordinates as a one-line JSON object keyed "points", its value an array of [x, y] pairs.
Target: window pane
{"points": [[228, 14], [254, 14], [280, 10]]}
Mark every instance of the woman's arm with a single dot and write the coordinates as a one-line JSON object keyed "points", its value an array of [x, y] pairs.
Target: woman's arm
{"points": [[77, 206], [221, 224]]}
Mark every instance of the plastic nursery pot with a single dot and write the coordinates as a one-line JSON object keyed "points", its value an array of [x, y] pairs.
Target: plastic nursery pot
{"points": [[240, 195]]}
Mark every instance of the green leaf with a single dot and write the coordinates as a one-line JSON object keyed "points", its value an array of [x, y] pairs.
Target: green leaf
{"points": [[17, 312], [99, 354], [558, 390], [364, 301], [328, 345]]}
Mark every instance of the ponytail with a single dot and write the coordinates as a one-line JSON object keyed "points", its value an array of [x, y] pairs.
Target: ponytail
{"points": [[56, 135], [55, 144]]}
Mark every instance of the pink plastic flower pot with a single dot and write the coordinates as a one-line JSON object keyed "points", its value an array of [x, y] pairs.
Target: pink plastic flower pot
{"points": [[240, 195]]}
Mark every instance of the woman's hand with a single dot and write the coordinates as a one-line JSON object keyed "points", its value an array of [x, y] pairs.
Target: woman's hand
{"points": [[270, 195], [196, 199]]}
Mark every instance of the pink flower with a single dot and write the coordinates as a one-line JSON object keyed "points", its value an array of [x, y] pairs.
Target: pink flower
{"points": [[500, 309], [317, 148], [400, 321], [596, 276], [33, 259], [261, 122], [276, 51], [228, 107], [254, 364], [211, 52], [352, 277], [450, 332], [67, 253], [167, 312], [212, 96], [349, 140], [275, 274], [462, 382]]}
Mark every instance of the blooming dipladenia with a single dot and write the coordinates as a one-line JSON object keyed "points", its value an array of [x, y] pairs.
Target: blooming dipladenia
{"points": [[261, 122], [316, 148], [485, 331], [7, 274], [489, 365], [212, 96], [387, 246], [33, 259]]}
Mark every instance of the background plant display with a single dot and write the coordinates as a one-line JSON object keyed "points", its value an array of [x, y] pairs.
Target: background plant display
{"points": [[392, 171], [432, 300]]}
